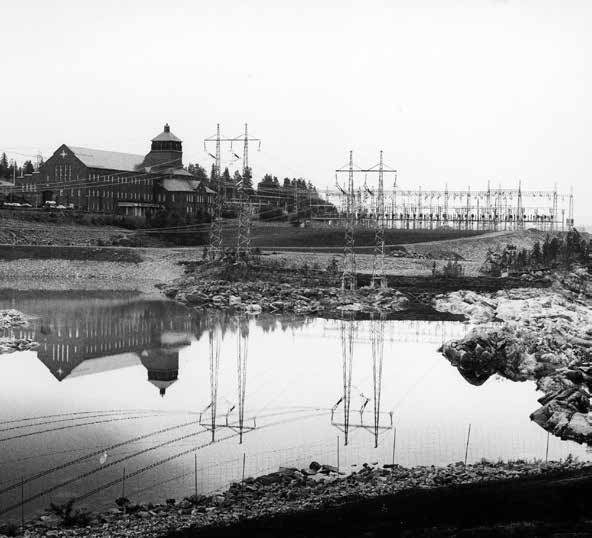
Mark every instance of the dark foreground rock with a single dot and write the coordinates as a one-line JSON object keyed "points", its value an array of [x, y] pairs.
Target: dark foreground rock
{"points": [[290, 493]]}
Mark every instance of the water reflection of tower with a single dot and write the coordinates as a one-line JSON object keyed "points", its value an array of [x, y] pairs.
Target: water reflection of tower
{"points": [[162, 366], [209, 417], [379, 423]]}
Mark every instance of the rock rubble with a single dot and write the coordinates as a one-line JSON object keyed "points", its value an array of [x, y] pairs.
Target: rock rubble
{"points": [[540, 335], [257, 296], [286, 491]]}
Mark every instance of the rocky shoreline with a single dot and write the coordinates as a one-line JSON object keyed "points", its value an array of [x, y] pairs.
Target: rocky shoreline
{"points": [[528, 335], [283, 298], [316, 292], [287, 491], [11, 319]]}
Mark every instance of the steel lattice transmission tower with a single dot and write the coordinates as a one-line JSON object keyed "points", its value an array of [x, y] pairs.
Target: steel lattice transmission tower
{"points": [[378, 278], [348, 278], [243, 245], [215, 249]]}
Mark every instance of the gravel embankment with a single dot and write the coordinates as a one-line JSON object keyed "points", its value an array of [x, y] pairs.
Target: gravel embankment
{"points": [[106, 271], [287, 491]]}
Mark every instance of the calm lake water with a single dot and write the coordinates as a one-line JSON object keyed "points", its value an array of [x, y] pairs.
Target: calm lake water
{"points": [[124, 385]]}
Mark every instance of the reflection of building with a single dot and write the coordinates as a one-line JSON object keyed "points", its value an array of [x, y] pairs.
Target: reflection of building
{"points": [[163, 363], [162, 366], [82, 336]]}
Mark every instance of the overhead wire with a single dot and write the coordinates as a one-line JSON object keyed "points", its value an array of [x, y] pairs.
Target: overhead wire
{"points": [[51, 430]]}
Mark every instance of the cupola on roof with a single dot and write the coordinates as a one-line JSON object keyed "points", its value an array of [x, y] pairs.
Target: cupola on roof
{"points": [[166, 136]]}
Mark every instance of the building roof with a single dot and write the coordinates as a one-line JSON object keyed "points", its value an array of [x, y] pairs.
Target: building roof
{"points": [[179, 185], [166, 136], [176, 172], [109, 160], [105, 364]]}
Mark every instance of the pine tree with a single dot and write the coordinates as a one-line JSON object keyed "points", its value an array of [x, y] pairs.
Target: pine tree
{"points": [[28, 167], [536, 253], [198, 171], [227, 187], [3, 166], [237, 180]]}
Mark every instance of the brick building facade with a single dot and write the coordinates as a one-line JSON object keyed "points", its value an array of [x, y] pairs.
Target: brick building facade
{"points": [[120, 183]]}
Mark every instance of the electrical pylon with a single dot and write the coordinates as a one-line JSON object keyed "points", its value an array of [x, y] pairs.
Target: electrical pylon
{"points": [[243, 244], [378, 278], [570, 213], [554, 210], [519, 211], [215, 249], [349, 277]]}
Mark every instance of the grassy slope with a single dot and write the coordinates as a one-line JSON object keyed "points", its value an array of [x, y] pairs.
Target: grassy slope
{"points": [[282, 235], [475, 248]]}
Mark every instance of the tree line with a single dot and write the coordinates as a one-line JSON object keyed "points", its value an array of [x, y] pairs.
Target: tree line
{"points": [[557, 251], [291, 199], [11, 169]]}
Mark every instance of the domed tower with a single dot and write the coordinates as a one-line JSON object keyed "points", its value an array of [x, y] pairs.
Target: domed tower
{"points": [[166, 151]]}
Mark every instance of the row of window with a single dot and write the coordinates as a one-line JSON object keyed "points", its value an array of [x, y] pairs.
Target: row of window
{"points": [[63, 172]]}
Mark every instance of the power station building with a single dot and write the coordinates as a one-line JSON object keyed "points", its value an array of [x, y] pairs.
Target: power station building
{"points": [[120, 183]]}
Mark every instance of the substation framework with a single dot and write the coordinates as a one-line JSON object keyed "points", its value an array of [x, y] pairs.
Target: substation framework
{"points": [[489, 209]]}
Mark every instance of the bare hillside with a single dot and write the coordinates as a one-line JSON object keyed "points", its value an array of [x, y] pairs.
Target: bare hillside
{"points": [[475, 248]]}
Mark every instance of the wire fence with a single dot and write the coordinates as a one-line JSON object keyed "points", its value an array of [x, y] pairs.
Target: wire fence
{"points": [[192, 464]]}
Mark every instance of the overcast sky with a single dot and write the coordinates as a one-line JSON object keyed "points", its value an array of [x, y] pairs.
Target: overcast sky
{"points": [[452, 91]]}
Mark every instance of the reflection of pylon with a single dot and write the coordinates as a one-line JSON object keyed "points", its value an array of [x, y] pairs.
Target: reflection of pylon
{"points": [[214, 340], [347, 351], [377, 336], [241, 374], [213, 421]]}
